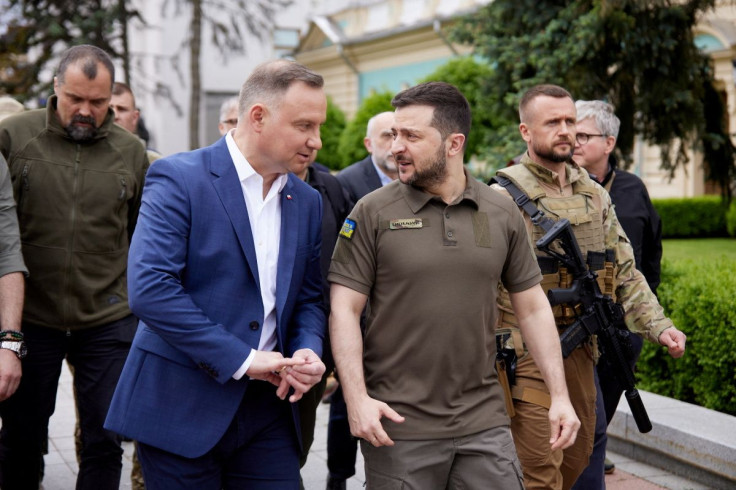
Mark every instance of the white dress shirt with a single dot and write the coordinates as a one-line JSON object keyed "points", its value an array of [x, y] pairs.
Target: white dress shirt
{"points": [[265, 223]]}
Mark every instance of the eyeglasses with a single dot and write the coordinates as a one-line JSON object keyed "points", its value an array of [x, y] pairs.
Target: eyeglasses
{"points": [[583, 138], [234, 122]]}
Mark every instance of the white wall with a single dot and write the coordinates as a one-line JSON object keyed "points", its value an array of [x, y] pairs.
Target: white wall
{"points": [[155, 47]]}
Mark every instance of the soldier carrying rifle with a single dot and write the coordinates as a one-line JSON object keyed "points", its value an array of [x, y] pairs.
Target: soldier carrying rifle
{"points": [[547, 177]]}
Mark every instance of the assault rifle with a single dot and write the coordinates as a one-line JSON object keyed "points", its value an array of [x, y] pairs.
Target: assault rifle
{"points": [[597, 313]]}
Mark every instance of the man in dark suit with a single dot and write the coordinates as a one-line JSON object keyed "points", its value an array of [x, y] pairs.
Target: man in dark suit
{"points": [[643, 227], [379, 167], [224, 276], [360, 178]]}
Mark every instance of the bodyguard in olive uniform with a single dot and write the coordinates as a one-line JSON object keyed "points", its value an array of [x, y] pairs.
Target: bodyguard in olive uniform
{"points": [[549, 177], [12, 284], [78, 180], [426, 253]]}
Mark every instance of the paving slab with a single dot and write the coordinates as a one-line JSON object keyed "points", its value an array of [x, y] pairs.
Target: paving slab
{"points": [[61, 464]]}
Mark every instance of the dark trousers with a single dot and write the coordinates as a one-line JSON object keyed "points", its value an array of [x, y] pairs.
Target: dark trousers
{"points": [[608, 395], [342, 447], [594, 477], [610, 387], [259, 451], [98, 355], [308, 417]]}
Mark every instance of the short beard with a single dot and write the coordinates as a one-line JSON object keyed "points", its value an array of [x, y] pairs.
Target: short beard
{"points": [[551, 155], [434, 174], [388, 165], [81, 134]]}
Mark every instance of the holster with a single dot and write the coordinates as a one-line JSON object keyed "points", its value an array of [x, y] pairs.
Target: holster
{"points": [[509, 348], [503, 379]]}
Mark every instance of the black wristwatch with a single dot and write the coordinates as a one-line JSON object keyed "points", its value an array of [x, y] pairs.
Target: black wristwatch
{"points": [[17, 346]]}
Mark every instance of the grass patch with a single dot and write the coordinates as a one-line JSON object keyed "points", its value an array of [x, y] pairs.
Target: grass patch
{"points": [[710, 249]]}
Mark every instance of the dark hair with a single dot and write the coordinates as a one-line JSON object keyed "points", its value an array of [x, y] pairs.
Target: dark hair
{"points": [[451, 108], [90, 56], [120, 88], [538, 90], [273, 78]]}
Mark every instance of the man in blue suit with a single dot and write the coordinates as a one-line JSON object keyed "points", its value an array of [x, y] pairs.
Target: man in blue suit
{"points": [[224, 276]]}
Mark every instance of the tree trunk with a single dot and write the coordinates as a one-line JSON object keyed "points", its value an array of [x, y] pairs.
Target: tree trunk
{"points": [[195, 46], [123, 13]]}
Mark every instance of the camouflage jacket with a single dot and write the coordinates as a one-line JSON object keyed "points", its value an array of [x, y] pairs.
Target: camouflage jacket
{"points": [[644, 315]]}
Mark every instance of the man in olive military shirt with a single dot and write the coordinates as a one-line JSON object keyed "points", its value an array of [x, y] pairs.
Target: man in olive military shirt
{"points": [[426, 253], [78, 180]]}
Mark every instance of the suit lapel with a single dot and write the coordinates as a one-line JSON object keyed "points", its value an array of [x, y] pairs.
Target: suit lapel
{"points": [[288, 244], [227, 186], [373, 181]]}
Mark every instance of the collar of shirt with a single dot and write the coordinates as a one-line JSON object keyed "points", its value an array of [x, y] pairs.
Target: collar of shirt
{"points": [[385, 179], [572, 170], [606, 178], [417, 198], [245, 170]]}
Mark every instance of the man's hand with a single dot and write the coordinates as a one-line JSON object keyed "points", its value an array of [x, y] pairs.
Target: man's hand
{"points": [[365, 420], [267, 366], [10, 372], [564, 424], [301, 376], [674, 340]]}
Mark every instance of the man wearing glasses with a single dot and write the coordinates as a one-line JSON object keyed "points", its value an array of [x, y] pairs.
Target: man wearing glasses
{"points": [[597, 130], [228, 115], [555, 184]]}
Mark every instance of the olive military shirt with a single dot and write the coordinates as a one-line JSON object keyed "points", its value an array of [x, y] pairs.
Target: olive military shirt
{"points": [[431, 273]]}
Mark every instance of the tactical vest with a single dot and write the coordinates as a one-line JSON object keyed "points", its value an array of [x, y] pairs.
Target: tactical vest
{"points": [[583, 210]]}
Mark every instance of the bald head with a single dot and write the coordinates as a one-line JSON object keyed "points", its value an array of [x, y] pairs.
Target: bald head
{"points": [[377, 141]]}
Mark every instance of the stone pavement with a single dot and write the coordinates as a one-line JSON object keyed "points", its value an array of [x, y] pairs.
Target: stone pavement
{"points": [[61, 463]]}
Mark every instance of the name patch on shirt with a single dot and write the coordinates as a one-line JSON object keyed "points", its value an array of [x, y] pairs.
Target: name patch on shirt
{"points": [[406, 223], [348, 228]]}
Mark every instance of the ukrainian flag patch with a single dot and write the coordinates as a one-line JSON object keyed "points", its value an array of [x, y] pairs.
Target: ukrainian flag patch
{"points": [[348, 228]]}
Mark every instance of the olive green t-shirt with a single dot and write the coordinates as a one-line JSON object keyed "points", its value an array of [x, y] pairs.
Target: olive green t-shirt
{"points": [[431, 272]]}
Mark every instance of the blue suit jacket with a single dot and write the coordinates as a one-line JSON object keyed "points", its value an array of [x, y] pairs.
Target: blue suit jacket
{"points": [[193, 282]]}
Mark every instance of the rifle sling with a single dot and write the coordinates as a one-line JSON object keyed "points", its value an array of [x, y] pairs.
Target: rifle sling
{"points": [[522, 200]]}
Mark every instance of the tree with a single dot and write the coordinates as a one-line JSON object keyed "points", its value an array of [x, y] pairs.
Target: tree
{"points": [[637, 54], [35, 32], [471, 77], [228, 22], [351, 147], [330, 133]]}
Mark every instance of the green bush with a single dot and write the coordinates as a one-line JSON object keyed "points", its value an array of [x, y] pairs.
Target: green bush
{"points": [[731, 219], [698, 297], [469, 76], [330, 133], [351, 146], [703, 216]]}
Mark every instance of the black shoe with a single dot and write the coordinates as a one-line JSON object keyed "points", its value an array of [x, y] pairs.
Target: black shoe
{"points": [[608, 466], [336, 484]]}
